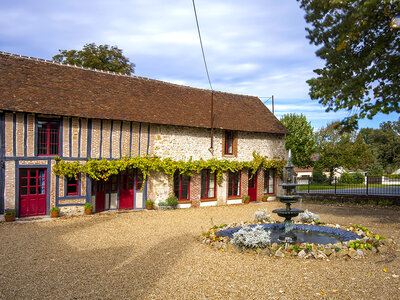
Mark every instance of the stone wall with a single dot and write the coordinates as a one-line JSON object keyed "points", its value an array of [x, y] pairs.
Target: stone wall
{"points": [[185, 142]]}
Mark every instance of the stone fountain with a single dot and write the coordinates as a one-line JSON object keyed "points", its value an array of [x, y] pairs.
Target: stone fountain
{"points": [[288, 213]]}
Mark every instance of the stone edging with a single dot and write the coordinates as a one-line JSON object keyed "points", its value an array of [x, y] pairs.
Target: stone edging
{"points": [[356, 243]]}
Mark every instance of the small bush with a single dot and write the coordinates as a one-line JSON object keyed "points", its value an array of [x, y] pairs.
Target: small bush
{"points": [[88, 206], [252, 237], [352, 178], [172, 201], [162, 203], [319, 176], [149, 202], [261, 216], [55, 209], [10, 212], [308, 217]]}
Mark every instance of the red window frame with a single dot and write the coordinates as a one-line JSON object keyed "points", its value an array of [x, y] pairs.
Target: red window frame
{"points": [[179, 190], [234, 184], [205, 184], [139, 180], [48, 137], [72, 184], [266, 182], [229, 137]]}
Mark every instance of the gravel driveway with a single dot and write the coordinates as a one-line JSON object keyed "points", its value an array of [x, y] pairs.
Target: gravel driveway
{"points": [[157, 255]]}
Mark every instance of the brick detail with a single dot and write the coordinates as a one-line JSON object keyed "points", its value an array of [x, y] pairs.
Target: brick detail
{"points": [[135, 139], [84, 137], [83, 184], [244, 183], [66, 137], [52, 186], [95, 138], [33, 162], [144, 139], [75, 137], [9, 188], [152, 136], [20, 134], [9, 132], [195, 189], [61, 186], [126, 126], [260, 184], [72, 201], [116, 134], [106, 139], [30, 137]]}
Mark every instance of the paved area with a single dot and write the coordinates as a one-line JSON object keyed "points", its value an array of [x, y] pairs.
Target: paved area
{"points": [[157, 255]]}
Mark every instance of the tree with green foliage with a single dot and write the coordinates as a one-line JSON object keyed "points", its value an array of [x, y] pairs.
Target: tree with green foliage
{"points": [[361, 53], [342, 149], [385, 145], [102, 57], [301, 139]]}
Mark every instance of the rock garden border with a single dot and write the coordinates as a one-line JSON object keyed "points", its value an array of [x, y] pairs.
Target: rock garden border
{"points": [[351, 247]]}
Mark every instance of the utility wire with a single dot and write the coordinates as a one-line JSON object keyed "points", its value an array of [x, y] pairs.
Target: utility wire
{"points": [[201, 44]]}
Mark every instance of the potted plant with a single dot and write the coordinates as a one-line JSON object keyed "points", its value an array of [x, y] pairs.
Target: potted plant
{"points": [[149, 204], [265, 198], [246, 199], [88, 207], [54, 212], [9, 215]]}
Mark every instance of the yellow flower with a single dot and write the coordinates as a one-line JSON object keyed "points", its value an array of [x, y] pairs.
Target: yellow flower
{"points": [[384, 270]]}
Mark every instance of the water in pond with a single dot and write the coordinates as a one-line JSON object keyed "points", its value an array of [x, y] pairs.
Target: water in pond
{"points": [[307, 237]]}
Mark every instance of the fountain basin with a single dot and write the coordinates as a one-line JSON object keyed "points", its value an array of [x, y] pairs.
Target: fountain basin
{"points": [[289, 198], [284, 213], [312, 234], [289, 185]]}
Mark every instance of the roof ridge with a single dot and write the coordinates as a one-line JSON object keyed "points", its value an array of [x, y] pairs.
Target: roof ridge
{"points": [[111, 72]]}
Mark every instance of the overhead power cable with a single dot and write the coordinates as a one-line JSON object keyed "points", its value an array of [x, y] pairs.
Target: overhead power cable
{"points": [[201, 44]]}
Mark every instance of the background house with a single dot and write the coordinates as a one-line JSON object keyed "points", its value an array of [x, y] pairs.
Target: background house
{"points": [[49, 109]]}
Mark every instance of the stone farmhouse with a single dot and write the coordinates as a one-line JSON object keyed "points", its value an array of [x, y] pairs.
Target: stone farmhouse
{"points": [[50, 110]]}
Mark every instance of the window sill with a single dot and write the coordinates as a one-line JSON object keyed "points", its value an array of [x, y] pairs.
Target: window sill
{"points": [[184, 201], [208, 199], [234, 197]]}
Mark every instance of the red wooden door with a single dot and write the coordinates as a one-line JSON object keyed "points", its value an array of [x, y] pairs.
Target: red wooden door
{"points": [[126, 190], [100, 196], [252, 187], [32, 192]]}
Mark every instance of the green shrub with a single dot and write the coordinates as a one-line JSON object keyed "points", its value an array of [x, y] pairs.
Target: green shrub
{"points": [[319, 176], [55, 209], [172, 201], [352, 178], [88, 206], [162, 203], [10, 212], [149, 202]]}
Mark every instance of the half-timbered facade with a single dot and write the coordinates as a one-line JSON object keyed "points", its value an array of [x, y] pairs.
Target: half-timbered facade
{"points": [[49, 109]]}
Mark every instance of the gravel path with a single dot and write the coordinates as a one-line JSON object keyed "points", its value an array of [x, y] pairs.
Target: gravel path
{"points": [[157, 255]]}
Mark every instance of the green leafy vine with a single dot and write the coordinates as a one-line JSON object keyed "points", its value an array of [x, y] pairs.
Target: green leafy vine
{"points": [[103, 169]]}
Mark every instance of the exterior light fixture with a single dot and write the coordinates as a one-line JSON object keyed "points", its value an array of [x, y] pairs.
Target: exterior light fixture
{"points": [[395, 22]]}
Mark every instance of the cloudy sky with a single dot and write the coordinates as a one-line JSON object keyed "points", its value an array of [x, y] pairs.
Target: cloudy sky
{"points": [[254, 47]]}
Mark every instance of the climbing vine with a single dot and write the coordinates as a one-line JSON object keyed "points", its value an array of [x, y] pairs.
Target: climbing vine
{"points": [[103, 169]]}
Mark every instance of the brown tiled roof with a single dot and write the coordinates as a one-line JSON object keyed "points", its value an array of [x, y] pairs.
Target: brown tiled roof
{"points": [[39, 86]]}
